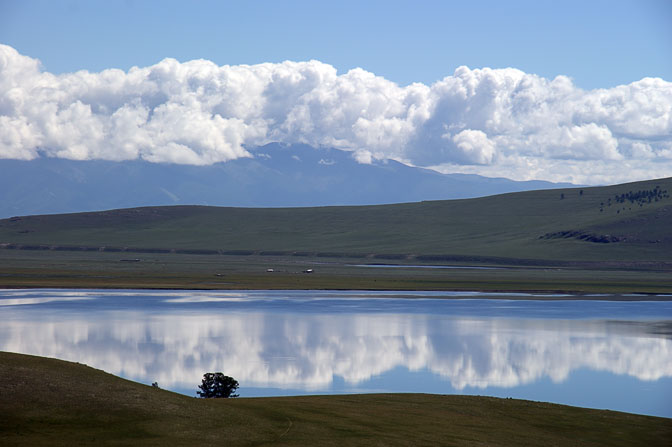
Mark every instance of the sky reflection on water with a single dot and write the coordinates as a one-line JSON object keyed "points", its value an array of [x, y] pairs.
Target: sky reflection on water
{"points": [[602, 354]]}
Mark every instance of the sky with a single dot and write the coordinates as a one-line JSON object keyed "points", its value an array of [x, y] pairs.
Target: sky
{"points": [[575, 91]]}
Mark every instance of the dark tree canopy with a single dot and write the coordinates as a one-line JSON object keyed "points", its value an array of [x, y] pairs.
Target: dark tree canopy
{"points": [[217, 385]]}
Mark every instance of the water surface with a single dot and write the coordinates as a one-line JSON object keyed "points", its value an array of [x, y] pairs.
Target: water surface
{"points": [[600, 354]]}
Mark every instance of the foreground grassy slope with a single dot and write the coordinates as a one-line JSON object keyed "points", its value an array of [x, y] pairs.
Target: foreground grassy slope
{"points": [[52, 402], [616, 223]]}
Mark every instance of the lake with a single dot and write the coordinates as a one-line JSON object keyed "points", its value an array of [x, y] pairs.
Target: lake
{"points": [[591, 353]]}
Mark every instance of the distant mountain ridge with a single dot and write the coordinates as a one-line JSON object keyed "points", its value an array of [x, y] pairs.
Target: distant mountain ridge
{"points": [[277, 176]]}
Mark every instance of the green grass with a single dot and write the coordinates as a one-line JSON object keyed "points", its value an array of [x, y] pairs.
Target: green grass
{"points": [[52, 402], [63, 269]]}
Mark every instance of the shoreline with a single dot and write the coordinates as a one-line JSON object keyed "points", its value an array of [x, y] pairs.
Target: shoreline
{"points": [[86, 270], [482, 294]]}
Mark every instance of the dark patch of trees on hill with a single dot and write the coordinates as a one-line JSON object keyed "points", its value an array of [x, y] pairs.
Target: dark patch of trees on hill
{"points": [[641, 197], [583, 236]]}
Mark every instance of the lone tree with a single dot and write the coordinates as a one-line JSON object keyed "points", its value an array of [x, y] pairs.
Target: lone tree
{"points": [[217, 385]]}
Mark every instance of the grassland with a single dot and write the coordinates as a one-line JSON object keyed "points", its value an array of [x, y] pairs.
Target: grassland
{"points": [[53, 402], [543, 240], [62, 269]]}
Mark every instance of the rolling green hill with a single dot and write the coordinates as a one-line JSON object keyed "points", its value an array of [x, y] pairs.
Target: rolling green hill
{"points": [[623, 223], [53, 402]]}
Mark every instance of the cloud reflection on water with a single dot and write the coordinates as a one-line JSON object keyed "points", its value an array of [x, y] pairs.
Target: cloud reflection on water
{"points": [[309, 350]]}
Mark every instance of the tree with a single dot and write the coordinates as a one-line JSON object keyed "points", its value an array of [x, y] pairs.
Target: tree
{"points": [[217, 385]]}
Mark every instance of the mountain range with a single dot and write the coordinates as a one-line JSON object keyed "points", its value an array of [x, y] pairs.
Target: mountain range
{"points": [[275, 176]]}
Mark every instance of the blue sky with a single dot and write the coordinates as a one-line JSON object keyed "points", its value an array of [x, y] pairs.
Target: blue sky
{"points": [[566, 91], [597, 43]]}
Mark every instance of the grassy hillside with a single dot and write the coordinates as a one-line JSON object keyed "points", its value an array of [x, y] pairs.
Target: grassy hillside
{"points": [[629, 222], [52, 402]]}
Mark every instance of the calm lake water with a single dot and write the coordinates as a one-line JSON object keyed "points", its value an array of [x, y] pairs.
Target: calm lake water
{"points": [[601, 354]]}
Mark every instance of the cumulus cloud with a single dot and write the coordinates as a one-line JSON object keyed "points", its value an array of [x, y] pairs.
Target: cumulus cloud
{"points": [[494, 122], [475, 146]]}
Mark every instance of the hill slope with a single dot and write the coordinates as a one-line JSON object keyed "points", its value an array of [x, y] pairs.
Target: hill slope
{"points": [[628, 223], [52, 402]]}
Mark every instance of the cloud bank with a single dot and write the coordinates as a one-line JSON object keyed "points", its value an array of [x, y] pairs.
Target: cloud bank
{"points": [[493, 122]]}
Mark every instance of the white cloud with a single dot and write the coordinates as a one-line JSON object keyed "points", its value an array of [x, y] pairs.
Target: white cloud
{"points": [[475, 146], [363, 157], [496, 122]]}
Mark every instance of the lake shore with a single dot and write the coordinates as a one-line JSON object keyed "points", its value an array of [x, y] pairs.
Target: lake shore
{"points": [[484, 294], [160, 271]]}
